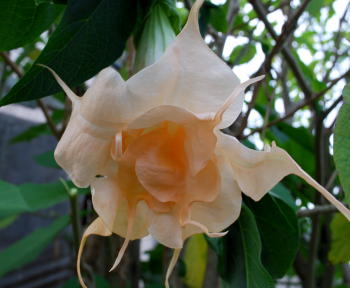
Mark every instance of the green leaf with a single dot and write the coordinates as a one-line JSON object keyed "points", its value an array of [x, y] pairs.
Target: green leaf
{"points": [[30, 197], [7, 221], [91, 36], [152, 272], [314, 7], [279, 232], [243, 53], [342, 144], [340, 245], [30, 247], [21, 21], [282, 192], [31, 133], [195, 258], [217, 19], [99, 281], [47, 159], [12, 200], [240, 255]]}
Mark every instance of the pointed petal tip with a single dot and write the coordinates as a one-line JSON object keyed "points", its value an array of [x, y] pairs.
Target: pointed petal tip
{"points": [[260, 77], [217, 235], [74, 98]]}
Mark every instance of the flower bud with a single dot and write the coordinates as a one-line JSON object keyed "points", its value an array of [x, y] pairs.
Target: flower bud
{"points": [[156, 36]]}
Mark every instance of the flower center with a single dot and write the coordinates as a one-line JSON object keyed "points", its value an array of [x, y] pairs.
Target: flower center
{"points": [[154, 166]]}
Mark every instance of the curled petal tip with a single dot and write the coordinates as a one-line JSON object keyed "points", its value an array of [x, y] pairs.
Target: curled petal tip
{"points": [[260, 77], [217, 235], [274, 144], [74, 98]]}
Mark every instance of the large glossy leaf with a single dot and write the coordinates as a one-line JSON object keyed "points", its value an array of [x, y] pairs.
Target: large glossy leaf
{"points": [[91, 36], [240, 255], [342, 143], [30, 197], [279, 232], [21, 21], [29, 247]]}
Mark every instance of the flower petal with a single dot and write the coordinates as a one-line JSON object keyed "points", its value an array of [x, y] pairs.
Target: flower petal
{"points": [[105, 103], [96, 228], [110, 204], [225, 209], [205, 185], [258, 171], [84, 151], [200, 140], [255, 171], [188, 75], [166, 229], [172, 264]]}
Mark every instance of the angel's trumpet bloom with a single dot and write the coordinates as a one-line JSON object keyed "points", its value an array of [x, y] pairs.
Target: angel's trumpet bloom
{"points": [[167, 168]]}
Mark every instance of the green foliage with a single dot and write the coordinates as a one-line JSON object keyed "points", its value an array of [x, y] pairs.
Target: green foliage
{"points": [[240, 255], [30, 197], [342, 143], [217, 19], [195, 259], [243, 53], [99, 281], [29, 247], [340, 246], [151, 270], [7, 221], [31, 133], [278, 228], [281, 192], [314, 7], [47, 159], [21, 21], [91, 36]]}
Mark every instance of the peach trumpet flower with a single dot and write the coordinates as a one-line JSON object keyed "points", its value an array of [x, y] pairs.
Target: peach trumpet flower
{"points": [[167, 168]]}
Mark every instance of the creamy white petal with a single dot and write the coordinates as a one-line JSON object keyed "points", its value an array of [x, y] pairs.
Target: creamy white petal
{"points": [[188, 75], [85, 147], [258, 171], [105, 104], [166, 229], [84, 151], [112, 207], [219, 214], [225, 209], [97, 227]]}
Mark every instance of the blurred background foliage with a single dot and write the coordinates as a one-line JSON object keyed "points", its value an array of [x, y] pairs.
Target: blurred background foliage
{"points": [[293, 237]]}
